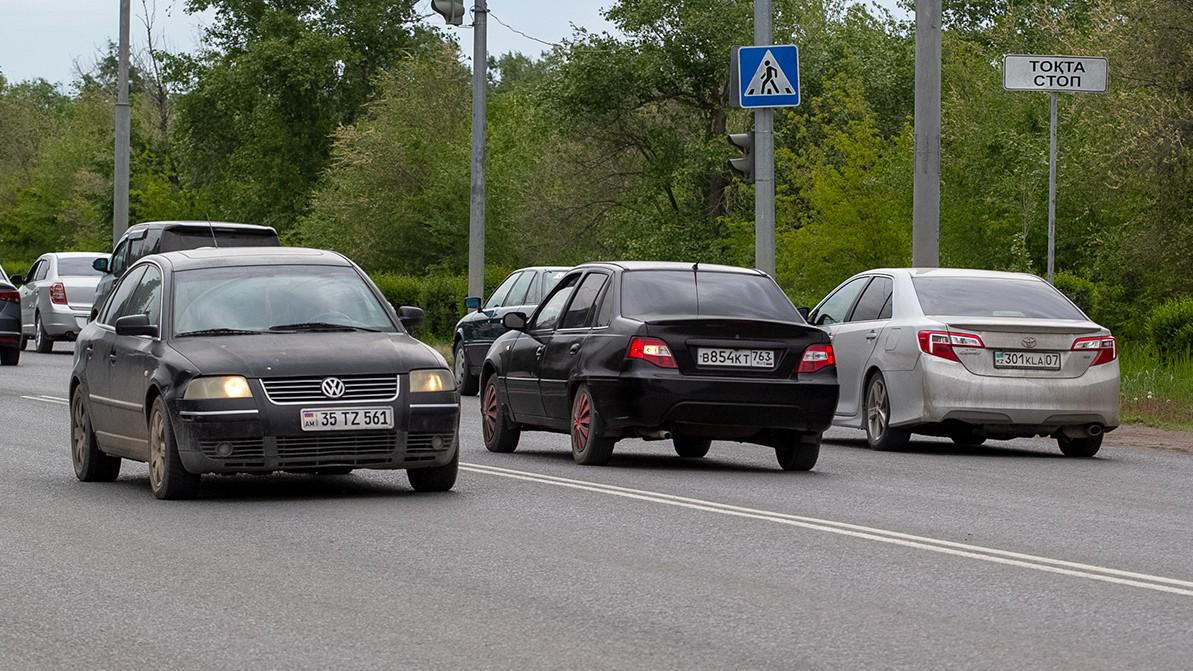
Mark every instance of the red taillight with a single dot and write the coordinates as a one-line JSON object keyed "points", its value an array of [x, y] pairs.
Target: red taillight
{"points": [[9, 296], [651, 350], [816, 358], [1106, 347], [58, 293], [945, 343]]}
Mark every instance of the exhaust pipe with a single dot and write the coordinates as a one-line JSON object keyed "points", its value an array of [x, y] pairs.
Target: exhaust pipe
{"points": [[1094, 430], [1087, 431]]}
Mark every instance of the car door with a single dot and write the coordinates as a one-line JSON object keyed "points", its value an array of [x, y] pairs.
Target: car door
{"points": [[834, 311], [522, 369], [562, 349], [854, 340], [134, 359], [100, 357], [30, 291]]}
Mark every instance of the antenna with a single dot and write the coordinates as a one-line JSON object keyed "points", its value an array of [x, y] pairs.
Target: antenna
{"points": [[214, 243]]}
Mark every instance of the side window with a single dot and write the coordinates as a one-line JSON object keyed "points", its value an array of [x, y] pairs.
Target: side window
{"points": [[869, 306], [147, 298], [119, 297], [885, 312], [43, 269], [552, 309], [136, 249], [32, 274], [836, 306], [550, 278], [498, 298], [605, 307], [517, 294], [580, 310], [119, 259]]}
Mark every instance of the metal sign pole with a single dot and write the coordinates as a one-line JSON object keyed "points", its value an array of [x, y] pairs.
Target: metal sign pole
{"points": [[1052, 192], [764, 159]]}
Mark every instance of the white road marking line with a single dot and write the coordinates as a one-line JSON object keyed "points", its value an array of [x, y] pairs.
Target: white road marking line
{"points": [[47, 399], [994, 555], [55, 398]]}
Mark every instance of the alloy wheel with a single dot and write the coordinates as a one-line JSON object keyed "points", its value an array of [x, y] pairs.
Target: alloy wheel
{"points": [[489, 412], [38, 338], [157, 450], [877, 409], [78, 431], [461, 367], [581, 421]]}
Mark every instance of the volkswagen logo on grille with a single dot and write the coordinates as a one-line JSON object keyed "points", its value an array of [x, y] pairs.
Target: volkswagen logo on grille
{"points": [[333, 387], [1028, 342]]}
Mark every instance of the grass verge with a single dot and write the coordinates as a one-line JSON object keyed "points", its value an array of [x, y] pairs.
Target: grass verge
{"points": [[1155, 391]]}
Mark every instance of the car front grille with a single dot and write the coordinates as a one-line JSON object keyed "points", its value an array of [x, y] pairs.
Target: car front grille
{"points": [[425, 447], [348, 448], [357, 388], [246, 452]]}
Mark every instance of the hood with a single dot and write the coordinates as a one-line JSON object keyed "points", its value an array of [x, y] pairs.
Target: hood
{"points": [[307, 354]]}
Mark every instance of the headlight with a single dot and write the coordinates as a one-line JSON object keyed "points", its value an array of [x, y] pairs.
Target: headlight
{"points": [[230, 386], [431, 380]]}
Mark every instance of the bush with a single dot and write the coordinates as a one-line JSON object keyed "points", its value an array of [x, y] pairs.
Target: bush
{"points": [[1079, 290], [440, 296], [1171, 329]]}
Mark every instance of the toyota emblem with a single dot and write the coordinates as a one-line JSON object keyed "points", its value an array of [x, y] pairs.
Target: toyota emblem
{"points": [[1029, 342], [333, 387]]}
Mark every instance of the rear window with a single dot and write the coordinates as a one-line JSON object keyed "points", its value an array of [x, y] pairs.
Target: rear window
{"points": [[674, 293], [77, 267], [992, 297], [174, 240]]}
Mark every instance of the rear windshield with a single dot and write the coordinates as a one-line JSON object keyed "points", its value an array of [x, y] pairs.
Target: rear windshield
{"points": [[174, 240], [674, 293], [992, 297], [77, 267]]}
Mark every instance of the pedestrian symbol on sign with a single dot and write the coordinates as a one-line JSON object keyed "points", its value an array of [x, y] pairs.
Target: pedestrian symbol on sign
{"points": [[765, 76], [769, 80]]}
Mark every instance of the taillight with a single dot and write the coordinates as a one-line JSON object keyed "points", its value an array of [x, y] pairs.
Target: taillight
{"points": [[9, 296], [58, 293], [1106, 347], [816, 358], [944, 343], [651, 350]]}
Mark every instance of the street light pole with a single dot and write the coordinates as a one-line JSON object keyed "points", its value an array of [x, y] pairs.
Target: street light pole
{"points": [[925, 233], [123, 132], [764, 158], [476, 217]]}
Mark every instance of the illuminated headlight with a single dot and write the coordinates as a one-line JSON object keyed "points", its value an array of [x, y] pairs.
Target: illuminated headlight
{"points": [[431, 380], [230, 386]]}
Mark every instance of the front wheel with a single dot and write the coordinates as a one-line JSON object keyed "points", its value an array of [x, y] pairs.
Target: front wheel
{"points": [[589, 446], [42, 341], [691, 448], [167, 476], [499, 432], [1079, 447], [436, 478], [91, 465], [465, 380], [880, 434], [799, 452]]}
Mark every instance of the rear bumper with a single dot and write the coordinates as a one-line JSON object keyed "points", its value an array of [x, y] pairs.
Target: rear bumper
{"points": [[62, 321]]}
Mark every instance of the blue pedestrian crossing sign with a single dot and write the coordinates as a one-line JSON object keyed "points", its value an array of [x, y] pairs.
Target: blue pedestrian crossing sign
{"points": [[765, 76]]}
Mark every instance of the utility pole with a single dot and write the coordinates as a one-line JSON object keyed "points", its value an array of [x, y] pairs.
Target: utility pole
{"points": [[480, 87], [764, 158], [925, 235], [123, 132], [1052, 191]]}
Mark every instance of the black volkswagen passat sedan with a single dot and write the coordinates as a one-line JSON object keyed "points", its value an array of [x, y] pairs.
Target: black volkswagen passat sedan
{"points": [[255, 360], [662, 350]]}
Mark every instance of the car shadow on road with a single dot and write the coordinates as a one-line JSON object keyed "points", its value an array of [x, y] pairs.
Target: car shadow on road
{"points": [[630, 460], [950, 449], [287, 487]]}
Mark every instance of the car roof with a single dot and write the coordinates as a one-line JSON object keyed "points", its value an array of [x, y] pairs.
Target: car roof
{"points": [[954, 272], [669, 265], [78, 255], [226, 257], [183, 223], [559, 269]]}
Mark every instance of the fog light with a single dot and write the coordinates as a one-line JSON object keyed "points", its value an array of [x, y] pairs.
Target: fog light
{"points": [[437, 443], [223, 450]]}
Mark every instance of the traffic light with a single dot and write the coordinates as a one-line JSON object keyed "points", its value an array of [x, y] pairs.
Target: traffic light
{"points": [[452, 10], [743, 166]]}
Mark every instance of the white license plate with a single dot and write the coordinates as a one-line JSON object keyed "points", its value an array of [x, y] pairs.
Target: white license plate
{"points": [[1027, 360], [735, 358], [347, 419]]}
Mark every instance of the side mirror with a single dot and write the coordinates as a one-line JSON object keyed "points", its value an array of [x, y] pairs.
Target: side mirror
{"points": [[100, 264], [135, 325], [514, 321], [804, 312], [16, 280], [472, 303], [410, 316]]}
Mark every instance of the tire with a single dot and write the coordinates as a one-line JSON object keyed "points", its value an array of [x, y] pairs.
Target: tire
{"points": [[689, 447], [589, 446], [468, 383], [42, 341], [1079, 447], [876, 415], [436, 478], [800, 453], [23, 343], [91, 465], [500, 433], [10, 357], [167, 477]]}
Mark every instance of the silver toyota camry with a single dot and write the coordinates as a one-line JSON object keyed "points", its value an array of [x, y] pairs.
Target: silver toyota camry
{"points": [[971, 355]]}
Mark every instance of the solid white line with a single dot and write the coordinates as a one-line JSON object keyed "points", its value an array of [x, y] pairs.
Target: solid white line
{"points": [[55, 398], [46, 400], [1088, 571]]}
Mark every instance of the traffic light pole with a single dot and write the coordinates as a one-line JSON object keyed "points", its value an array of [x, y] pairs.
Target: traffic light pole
{"points": [[123, 132], [476, 217], [764, 159]]}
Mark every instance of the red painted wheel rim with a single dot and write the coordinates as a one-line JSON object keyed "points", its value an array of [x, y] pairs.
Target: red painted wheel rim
{"points": [[489, 412], [581, 422]]}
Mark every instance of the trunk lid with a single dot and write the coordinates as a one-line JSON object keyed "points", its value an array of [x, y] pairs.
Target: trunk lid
{"points": [[80, 291], [1016, 343], [687, 336]]}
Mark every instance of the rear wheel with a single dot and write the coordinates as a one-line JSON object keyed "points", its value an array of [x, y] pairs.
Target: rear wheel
{"points": [[691, 448], [435, 478], [1079, 447], [42, 342], [10, 357], [500, 434], [465, 380], [879, 433], [589, 446], [91, 465], [800, 452], [167, 476]]}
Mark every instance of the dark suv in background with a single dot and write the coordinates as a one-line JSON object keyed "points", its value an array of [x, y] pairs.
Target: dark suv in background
{"points": [[520, 292], [158, 237]]}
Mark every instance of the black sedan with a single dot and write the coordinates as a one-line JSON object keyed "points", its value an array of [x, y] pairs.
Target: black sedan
{"points": [[662, 350], [257, 360], [10, 323]]}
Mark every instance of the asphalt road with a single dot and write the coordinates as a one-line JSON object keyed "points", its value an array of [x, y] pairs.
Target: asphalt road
{"points": [[997, 557]]}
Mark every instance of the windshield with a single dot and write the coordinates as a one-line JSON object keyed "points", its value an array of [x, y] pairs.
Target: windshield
{"points": [[673, 293], [992, 297], [77, 266], [281, 298]]}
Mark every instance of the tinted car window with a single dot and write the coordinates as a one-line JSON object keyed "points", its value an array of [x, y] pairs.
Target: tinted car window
{"points": [[580, 310], [121, 296], [77, 267], [119, 258], [992, 297], [146, 299], [834, 309], [550, 279], [548, 315], [178, 239], [259, 297], [517, 294], [870, 305], [716, 294], [42, 269], [498, 298]]}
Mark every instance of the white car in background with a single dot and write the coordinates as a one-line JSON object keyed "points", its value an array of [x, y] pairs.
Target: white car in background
{"points": [[971, 355], [57, 296]]}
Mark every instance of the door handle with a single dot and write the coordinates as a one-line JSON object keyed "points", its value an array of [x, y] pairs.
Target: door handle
{"points": [[574, 348], [871, 335], [538, 353]]}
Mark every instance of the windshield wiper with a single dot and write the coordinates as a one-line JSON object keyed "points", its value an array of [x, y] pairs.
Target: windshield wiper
{"points": [[319, 326], [217, 332]]}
